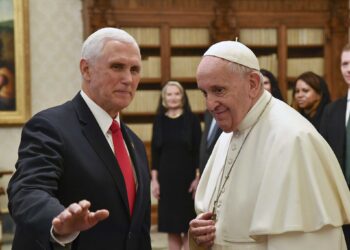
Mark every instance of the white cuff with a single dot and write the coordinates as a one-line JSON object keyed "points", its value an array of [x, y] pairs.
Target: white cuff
{"points": [[64, 240]]}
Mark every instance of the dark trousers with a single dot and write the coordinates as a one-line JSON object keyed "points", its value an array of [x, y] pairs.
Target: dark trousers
{"points": [[346, 230]]}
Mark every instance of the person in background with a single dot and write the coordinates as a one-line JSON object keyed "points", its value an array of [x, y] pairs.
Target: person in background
{"points": [[271, 84], [7, 82], [335, 126], [209, 137], [175, 158], [7, 87], [311, 96], [272, 182], [82, 179]]}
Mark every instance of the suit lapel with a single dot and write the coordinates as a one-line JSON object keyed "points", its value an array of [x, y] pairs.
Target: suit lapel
{"points": [[216, 132], [342, 109], [98, 142], [341, 115]]}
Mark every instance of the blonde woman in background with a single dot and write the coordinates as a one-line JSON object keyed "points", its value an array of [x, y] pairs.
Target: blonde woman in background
{"points": [[175, 159]]}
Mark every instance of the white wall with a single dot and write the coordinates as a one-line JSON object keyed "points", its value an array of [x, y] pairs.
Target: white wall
{"points": [[56, 35]]}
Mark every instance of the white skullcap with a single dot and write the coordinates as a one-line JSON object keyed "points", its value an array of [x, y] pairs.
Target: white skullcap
{"points": [[234, 52]]}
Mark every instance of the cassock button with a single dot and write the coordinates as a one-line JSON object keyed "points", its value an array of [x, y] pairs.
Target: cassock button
{"points": [[130, 235]]}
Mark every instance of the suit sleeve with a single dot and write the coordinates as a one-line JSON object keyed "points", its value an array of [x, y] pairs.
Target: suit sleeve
{"points": [[32, 189], [144, 221]]}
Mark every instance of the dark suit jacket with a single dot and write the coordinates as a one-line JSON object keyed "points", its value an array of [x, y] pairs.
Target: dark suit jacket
{"points": [[64, 158], [205, 149], [333, 129]]}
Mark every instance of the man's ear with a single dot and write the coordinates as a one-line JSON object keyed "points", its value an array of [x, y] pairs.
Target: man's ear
{"points": [[85, 69], [254, 84]]}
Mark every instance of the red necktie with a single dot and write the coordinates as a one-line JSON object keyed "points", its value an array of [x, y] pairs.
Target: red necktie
{"points": [[124, 163]]}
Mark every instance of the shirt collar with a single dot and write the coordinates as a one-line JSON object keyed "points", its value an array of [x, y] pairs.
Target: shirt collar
{"points": [[255, 111], [102, 117]]}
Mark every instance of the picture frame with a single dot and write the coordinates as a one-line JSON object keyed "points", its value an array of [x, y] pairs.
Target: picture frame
{"points": [[14, 63]]}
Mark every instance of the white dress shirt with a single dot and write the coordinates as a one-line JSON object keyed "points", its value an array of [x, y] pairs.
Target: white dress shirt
{"points": [[347, 108]]}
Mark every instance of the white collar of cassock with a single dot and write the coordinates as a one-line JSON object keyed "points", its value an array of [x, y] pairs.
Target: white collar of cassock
{"points": [[255, 111], [223, 147]]}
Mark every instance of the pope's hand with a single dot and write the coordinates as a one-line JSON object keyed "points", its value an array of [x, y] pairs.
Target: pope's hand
{"points": [[202, 230], [77, 217]]}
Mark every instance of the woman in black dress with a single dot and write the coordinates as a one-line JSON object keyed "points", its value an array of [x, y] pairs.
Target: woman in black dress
{"points": [[175, 160]]}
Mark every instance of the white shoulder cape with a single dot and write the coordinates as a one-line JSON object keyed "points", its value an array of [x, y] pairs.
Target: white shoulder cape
{"points": [[287, 179]]}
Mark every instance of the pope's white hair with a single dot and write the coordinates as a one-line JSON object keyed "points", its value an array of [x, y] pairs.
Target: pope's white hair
{"points": [[243, 71], [94, 44]]}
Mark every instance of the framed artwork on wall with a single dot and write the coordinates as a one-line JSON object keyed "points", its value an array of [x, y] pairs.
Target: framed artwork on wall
{"points": [[14, 62]]}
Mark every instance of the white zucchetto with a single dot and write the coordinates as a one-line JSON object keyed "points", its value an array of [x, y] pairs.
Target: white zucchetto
{"points": [[234, 52]]}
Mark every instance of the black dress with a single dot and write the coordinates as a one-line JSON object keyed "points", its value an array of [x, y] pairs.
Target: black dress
{"points": [[175, 154]]}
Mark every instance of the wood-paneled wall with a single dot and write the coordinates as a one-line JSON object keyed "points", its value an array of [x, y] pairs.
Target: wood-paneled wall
{"points": [[225, 17]]}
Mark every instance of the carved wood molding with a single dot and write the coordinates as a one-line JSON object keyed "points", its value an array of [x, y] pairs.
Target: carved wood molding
{"points": [[224, 23], [163, 5], [339, 11], [281, 5], [97, 14], [207, 5]]}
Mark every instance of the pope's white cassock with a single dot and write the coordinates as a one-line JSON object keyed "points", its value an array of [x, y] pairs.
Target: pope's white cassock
{"points": [[285, 189]]}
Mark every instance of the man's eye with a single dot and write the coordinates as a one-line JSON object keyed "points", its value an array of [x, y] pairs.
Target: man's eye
{"points": [[135, 70], [219, 91], [117, 66]]}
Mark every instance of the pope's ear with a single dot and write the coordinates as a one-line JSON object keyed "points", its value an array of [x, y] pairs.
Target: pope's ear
{"points": [[254, 83], [85, 69]]}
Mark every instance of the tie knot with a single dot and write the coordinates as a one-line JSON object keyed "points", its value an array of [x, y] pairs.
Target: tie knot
{"points": [[114, 127]]}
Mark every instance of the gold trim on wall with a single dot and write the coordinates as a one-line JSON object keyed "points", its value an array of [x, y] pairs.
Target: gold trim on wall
{"points": [[21, 66]]}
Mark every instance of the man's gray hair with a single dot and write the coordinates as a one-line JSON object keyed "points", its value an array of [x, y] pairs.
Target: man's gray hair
{"points": [[94, 44]]}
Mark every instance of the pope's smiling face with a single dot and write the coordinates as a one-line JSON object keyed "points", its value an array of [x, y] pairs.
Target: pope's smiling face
{"points": [[229, 95]]}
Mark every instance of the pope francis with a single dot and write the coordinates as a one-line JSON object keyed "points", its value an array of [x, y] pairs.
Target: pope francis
{"points": [[272, 182]]}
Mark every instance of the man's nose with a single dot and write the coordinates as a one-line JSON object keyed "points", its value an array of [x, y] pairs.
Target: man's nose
{"points": [[210, 102], [127, 76], [348, 67]]}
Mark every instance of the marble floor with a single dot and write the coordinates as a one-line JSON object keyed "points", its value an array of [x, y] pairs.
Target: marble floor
{"points": [[6, 247], [159, 240], [7, 238]]}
